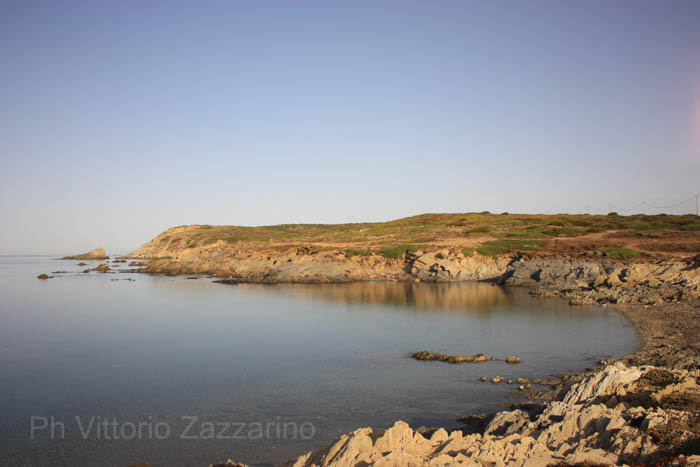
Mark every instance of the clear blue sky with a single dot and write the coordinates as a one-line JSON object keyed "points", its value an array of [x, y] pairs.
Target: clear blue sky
{"points": [[120, 119]]}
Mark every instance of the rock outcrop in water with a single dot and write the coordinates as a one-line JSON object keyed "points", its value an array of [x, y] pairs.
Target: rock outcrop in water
{"points": [[441, 357], [96, 254]]}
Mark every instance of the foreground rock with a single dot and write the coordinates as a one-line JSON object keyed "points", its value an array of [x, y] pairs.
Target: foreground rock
{"points": [[619, 415], [96, 254]]}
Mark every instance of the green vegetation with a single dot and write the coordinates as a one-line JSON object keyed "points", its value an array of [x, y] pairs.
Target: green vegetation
{"points": [[397, 251], [350, 252], [528, 233], [500, 247], [499, 233], [480, 229], [618, 253], [469, 252], [691, 227], [564, 231]]}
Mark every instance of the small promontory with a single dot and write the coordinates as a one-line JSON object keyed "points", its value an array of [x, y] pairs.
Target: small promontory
{"points": [[97, 253]]}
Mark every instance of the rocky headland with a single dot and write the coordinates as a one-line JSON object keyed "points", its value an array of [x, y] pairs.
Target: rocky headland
{"points": [[96, 254], [581, 280]]}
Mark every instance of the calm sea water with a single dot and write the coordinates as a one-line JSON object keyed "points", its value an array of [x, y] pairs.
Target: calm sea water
{"points": [[275, 370]]}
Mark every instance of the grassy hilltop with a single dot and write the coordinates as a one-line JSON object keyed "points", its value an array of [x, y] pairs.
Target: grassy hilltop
{"points": [[482, 233]]}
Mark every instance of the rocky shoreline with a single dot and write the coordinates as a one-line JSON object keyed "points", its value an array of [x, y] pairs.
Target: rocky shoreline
{"points": [[581, 281]]}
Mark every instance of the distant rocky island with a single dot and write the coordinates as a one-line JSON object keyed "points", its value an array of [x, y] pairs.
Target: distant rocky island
{"points": [[96, 254]]}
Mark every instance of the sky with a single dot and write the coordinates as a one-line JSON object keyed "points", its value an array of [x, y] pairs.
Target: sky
{"points": [[121, 119]]}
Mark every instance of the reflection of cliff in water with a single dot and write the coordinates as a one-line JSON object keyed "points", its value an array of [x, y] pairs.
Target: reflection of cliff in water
{"points": [[419, 295]]}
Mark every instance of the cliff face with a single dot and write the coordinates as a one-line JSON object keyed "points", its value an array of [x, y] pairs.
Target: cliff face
{"points": [[313, 265]]}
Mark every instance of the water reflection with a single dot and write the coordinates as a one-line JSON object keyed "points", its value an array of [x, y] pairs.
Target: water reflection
{"points": [[444, 296]]}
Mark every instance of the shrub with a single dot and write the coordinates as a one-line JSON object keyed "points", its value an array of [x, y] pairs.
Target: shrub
{"points": [[480, 229], [234, 238], [350, 252], [581, 222], [618, 252], [528, 233], [693, 226], [498, 247], [397, 251], [564, 232]]}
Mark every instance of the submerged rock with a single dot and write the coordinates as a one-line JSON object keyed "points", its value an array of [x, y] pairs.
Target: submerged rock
{"points": [[441, 357], [101, 268], [44, 276]]}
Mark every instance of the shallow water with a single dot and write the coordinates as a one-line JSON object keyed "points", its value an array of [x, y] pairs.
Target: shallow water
{"points": [[321, 359]]}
